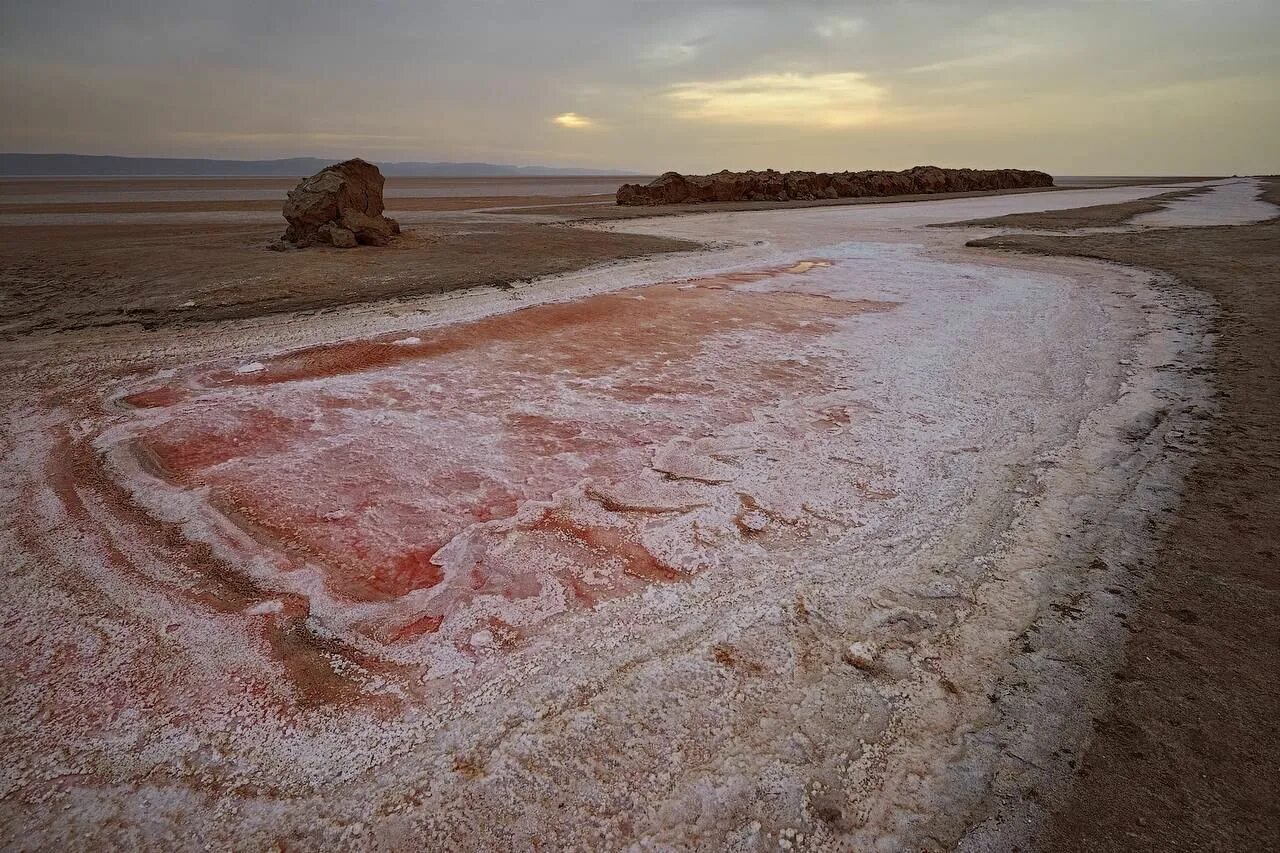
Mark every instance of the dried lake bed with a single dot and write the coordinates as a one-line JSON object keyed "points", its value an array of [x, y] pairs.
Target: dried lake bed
{"points": [[709, 549]]}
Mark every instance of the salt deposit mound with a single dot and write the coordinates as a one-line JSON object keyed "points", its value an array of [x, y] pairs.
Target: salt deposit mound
{"points": [[341, 205], [769, 185]]}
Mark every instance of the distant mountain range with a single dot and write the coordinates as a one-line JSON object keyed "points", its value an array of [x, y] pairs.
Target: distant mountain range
{"points": [[293, 167]]}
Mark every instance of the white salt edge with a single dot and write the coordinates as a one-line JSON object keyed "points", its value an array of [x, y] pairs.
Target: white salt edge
{"points": [[265, 608]]}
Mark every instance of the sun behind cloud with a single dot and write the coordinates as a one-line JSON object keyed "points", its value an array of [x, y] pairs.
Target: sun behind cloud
{"points": [[573, 121]]}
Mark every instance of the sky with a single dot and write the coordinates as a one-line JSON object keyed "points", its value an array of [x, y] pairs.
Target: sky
{"points": [[1074, 87]]}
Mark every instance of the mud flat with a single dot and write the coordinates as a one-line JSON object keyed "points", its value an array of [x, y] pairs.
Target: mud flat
{"points": [[790, 543]]}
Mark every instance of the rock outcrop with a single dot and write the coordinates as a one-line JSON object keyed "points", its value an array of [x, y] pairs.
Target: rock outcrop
{"points": [[674, 188], [341, 205]]}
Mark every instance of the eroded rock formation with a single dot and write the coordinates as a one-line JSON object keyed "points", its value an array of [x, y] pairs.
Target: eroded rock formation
{"points": [[341, 205], [769, 185]]}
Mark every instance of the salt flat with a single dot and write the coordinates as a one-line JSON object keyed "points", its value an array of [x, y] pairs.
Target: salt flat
{"points": [[1233, 202], [715, 549]]}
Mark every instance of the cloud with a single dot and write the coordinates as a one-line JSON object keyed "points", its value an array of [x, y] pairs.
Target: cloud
{"points": [[660, 84], [671, 53], [835, 28], [573, 121], [985, 59], [839, 99]]}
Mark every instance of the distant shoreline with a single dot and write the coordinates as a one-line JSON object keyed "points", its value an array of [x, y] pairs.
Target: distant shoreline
{"points": [[23, 165], [15, 176], [211, 177]]}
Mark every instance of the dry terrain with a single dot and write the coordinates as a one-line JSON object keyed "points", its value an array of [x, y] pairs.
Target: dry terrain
{"points": [[81, 253], [86, 275], [807, 528], [1187, 754], [272, 205]]}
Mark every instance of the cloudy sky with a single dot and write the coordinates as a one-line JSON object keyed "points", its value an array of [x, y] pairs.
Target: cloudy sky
{"points": [[1070, 86]]}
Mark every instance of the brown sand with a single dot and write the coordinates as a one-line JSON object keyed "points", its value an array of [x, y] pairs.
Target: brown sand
{"points": [[74, 276], [1096, 216], [69, 275], [1187, 756], [486, 187], [394, 205]]}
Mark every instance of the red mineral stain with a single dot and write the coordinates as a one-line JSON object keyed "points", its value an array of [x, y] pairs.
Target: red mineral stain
{"points": [[422, 625], [590, 332], [308, 658], [873, 494], [411, 570], [183, 449], [606, 543], [754, 519], [362, 459], [165, 395], [506, 635], [836, 416], [750, 520]]}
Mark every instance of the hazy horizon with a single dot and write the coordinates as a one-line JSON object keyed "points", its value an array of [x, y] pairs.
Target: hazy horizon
{"points": [[1071, 87], [568, 171]]}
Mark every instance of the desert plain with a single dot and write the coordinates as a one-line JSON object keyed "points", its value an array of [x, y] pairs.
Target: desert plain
{"points": [[894, 524]]}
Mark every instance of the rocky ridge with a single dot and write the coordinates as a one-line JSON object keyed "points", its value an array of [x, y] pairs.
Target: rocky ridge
{"points": [[771, 185]]}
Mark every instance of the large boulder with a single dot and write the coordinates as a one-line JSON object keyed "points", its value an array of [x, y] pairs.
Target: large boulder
{"points": [[674, 188], [341, 205]]}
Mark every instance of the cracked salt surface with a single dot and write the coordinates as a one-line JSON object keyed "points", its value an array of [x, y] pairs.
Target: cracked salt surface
{"points": [[735, 564]]}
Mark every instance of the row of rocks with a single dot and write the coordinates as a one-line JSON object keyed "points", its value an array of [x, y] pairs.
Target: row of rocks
{"points": [[769, 185], [341, 205]]}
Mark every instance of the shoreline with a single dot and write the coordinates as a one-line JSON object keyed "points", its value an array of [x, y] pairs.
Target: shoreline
{"points": [[1193, 705]]}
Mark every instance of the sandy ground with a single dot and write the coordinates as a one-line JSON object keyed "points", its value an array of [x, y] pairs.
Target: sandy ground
{"points": [[95, 276], [824, 539], [99, 253], [1184, 758], [396, 206]]}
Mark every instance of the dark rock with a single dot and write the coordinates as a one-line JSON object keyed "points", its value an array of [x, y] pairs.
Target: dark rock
{"points": [[769, 185], [336, 235], [341, 205]]}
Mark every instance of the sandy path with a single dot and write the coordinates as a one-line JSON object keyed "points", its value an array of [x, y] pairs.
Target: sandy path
{"points": [[739, 569]]}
